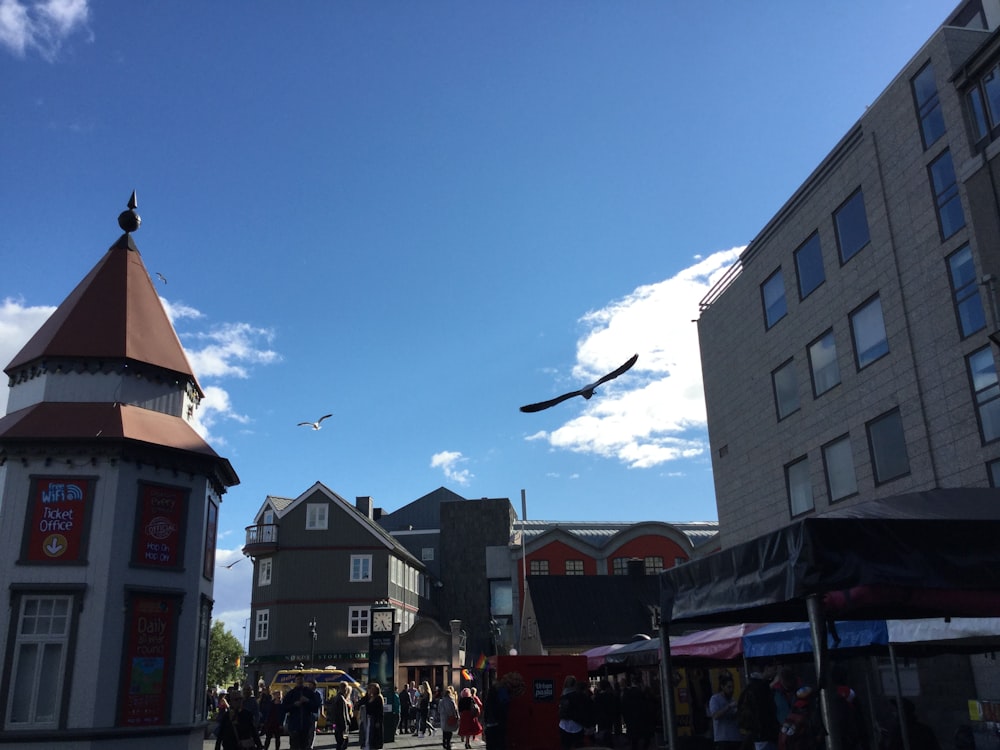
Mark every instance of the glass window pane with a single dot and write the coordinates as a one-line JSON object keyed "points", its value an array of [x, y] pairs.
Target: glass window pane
{"points": [[786, 390], [977, 112], [773, 291], [809, 264], [800, 494], [46, 699], [25, 671], [823, 363], [851, 223], [840, 474], [928, 107], [945, 187], [868, 327], [991, 84], [983, 371], [888, 446], [965, 288]]}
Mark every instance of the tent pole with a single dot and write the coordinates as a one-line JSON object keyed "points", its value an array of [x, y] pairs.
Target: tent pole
{"points": [[904, 730], [817, 630], [667, 690]]}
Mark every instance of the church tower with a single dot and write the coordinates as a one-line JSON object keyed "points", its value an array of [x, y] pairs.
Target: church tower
{"points": [[108, 517]]}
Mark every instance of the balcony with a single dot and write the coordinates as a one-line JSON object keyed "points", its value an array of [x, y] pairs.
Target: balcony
{"points": [[262, 539]]}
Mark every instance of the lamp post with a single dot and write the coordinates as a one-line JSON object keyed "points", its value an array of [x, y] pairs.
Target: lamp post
{"points": [[246, 624], [312, 642]]}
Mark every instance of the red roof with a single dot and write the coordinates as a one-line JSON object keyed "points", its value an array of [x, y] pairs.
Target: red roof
{"points": [[113, 314], [55, 421]]}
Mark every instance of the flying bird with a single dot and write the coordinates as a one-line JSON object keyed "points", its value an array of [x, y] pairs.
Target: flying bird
{"points": [[161, 277], [315, 425], [587, 391], [230, 566]]}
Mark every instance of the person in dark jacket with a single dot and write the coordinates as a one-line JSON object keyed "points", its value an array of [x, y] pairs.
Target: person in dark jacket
{"points": [[575, 714], [405, 707], [607, 711], [370, 729], [302, 705], [756, 711], [236, 727], [340, 715]]}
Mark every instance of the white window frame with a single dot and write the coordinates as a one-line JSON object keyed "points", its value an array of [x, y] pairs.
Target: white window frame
{"points": [[265, 571], [43, 679], [359, 622], [317, 516], [262, 625], [361, 568]]}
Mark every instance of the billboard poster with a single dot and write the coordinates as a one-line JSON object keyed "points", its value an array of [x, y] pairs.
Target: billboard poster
{"points": [[159, 522], [149, 639], [57, 519]]}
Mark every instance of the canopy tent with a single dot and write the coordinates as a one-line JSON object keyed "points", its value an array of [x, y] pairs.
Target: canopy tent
{"points": [[923, 554], [783, 638], [720, 644], [918, 555], [596, 657]]}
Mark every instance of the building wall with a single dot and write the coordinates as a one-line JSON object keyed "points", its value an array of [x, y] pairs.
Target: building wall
{"points": [[924, 375]]}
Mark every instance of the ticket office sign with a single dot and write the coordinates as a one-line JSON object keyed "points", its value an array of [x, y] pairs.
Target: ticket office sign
{"points": [[160, 519], [58, 516]]}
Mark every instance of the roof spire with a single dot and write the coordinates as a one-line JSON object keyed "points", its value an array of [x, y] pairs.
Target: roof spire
{"points": [[129, 220]]}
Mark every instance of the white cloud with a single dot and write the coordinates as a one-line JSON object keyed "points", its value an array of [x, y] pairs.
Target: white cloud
{"points": [[228, 349], [18, 323], [41, 26], [231, 585], [448, 461], [655, 413]]}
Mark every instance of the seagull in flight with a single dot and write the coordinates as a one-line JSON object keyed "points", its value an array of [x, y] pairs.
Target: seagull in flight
{"points": [[161, 277], [230, 566], [587, 391], [315, 425]]}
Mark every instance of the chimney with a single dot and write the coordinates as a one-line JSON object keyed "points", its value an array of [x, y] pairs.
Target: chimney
{"points": [[636, 567], [365, 505]]}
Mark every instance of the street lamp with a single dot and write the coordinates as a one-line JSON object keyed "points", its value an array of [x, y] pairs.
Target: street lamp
{"points": [[312, 645], [246, 624]]}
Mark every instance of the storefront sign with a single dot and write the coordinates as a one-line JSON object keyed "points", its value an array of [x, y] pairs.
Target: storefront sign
{"points": [[57, 518], [161, 515], [146, 677]]}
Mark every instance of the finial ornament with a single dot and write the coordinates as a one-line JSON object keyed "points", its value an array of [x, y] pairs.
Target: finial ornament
{"points": [[129, 220]]}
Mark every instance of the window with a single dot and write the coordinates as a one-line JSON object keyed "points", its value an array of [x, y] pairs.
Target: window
{"points": [[359, 619], [965, 292], [361, 568], [868, 329], [773, 293], [800, 491], [809, 265], [786, 389], [951, 218], [538, 568], [888, 447], [983, 372], [925, 96], [984, 106], [261, 628], [426, 554], [574, 567], [316, 516], [838, 460], [993, 467], [823, 364], [41, 643], [501, 598], [851, 223], [264, 572], [619, 566], [653, 565]]}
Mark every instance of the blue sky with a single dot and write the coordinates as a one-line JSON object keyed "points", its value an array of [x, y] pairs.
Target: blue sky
{"points": [[420, 215]]}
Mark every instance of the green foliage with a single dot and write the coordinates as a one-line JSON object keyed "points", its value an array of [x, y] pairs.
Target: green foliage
{"points": [[225, 653]]}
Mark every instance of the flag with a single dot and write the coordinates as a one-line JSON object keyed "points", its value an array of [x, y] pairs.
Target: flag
{"points": [[481, 662], [467, 675]]}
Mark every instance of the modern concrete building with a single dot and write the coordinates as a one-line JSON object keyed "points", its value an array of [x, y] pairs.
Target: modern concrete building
{"points": [[847, 355], [110, 501]]}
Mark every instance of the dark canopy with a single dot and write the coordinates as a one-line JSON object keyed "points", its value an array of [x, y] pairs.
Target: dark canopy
{"points": [[924, 554]]}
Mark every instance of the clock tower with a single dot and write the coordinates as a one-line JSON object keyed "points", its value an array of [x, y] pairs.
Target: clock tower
{"points": [[383, 661]]}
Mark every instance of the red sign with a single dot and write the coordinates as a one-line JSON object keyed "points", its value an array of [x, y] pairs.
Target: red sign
{"points": [[58, 515], [146, 669], [158, 526]]}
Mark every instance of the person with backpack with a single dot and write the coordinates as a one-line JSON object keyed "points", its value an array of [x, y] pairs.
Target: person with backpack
{"points": [[756, 712]]}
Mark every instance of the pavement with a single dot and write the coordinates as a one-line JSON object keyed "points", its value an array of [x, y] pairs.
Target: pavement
{"points": [[407, 741]]}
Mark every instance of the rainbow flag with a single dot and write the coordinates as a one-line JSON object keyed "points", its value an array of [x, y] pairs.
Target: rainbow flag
{"points": [[481, 662], [467, 675]]}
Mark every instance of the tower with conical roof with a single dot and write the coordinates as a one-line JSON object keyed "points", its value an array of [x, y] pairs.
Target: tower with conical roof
{"points": [[108, 517]]}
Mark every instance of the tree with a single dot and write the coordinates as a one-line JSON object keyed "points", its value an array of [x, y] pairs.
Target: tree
{"points": [[225, 653]]}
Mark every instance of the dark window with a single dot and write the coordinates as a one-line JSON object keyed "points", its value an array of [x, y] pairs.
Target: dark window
{"points": [[838, 460], [965, 292], [868, 329], [574, 567], [619, 566], [951, 218], [984, 106], [773, 294], [800, 492], [786, 389], [851, 223], [809, 265], [928, 107], [888, 447], [986, 389], [993, 467], [538, 568], [823, 364]]}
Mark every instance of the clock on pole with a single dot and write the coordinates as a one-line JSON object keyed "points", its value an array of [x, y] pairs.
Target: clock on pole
{"points": [[383, 660]]}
